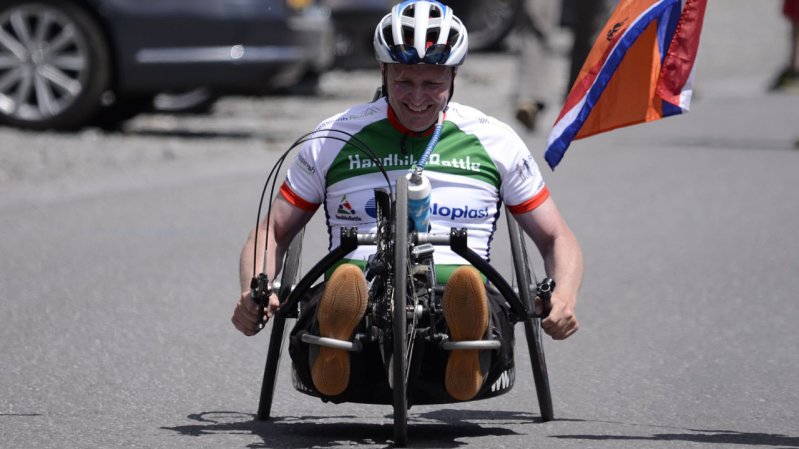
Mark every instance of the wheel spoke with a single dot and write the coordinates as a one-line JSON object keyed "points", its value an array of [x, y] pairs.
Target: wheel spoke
{"points": [[24, 89], [13, 45], [8, 61], [20, 26], [10, 79], [65, 38], [40, 33], [74, 62], [47, 104], [60, 80]]}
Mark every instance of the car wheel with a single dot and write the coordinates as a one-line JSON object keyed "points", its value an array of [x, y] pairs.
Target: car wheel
{"points": [[488, 21], [54, 64]]}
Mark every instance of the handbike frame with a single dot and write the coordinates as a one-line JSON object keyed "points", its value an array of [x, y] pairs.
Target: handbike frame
{"points": [[399, 243]]}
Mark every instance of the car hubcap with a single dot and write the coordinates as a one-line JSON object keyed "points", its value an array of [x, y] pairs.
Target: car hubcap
{"points": [[43, 62]]}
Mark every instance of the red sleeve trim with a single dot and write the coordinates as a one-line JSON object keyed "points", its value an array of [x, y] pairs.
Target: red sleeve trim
{"points": [[295, 200], [530, 204]]}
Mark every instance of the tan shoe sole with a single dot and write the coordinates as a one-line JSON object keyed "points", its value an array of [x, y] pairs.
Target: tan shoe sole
{"points": [[342, 306], [466, 313]]}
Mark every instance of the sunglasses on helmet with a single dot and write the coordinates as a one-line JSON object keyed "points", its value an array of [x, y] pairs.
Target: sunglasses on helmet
{"points": [[407, 54]]}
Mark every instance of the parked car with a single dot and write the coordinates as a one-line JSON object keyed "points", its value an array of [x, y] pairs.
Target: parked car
{"points": [[65, 64], [488, 22]]}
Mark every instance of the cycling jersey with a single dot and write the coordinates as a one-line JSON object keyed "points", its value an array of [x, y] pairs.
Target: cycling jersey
{"points": [[478, 164]]}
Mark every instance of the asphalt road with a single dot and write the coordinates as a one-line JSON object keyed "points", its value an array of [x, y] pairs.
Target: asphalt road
{"points": [[118, 275]]}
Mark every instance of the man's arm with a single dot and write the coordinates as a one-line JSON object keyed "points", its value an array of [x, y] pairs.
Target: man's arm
{"points": [[285, 221], [563, 261]]}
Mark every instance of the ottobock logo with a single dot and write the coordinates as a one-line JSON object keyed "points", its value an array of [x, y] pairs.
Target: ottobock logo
{"points": [[345, 210], [454, 213], [505, 380]]}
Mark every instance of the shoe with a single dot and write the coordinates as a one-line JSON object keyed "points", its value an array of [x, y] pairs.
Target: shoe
{"points": [[341, 308], [466, 314], [527, 113], [787, 81]]}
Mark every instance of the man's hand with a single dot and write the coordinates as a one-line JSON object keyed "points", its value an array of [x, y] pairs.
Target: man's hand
{"points": [[245, 315], [561, 322]]}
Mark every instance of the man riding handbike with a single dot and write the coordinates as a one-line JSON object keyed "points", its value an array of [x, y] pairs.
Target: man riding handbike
{"points": [[477, 165]]}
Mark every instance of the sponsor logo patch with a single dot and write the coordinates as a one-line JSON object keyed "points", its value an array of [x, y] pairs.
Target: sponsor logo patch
{"points": [[454, 213], [505, 380], [306, 165], [357, 162], [345, 210], [371, 207], [524, 170]]}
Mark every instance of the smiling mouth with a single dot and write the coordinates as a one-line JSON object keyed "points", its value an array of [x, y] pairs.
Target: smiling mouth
{"points": [[417, 108]]}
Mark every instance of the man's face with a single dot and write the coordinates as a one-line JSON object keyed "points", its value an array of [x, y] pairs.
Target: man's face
{"points": [[418, 92]]}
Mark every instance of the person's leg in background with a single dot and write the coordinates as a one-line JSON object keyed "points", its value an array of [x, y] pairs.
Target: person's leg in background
{"points": [[788, 78], [587, 19], [534, 26]]}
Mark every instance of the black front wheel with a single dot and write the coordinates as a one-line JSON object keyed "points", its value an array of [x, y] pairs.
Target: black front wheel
{"points": [[288, 279], [526, 284], [399, 327]]}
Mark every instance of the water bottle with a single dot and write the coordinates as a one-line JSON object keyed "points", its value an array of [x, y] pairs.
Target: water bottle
{"points": [[419, 201]]}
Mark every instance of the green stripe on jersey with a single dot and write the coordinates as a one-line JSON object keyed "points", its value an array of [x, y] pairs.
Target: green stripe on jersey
{"points": [[457, 153], [443, 271]]}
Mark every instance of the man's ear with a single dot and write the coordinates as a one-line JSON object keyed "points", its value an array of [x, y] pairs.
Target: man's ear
{"points": [[383, 77]]}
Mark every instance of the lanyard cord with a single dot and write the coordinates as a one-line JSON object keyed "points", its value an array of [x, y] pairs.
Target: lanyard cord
{"points": [[417, 170]]}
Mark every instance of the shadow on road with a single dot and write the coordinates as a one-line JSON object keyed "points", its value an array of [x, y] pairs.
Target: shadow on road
{"points": [[728, 438], [439, 428], [192, 134]]}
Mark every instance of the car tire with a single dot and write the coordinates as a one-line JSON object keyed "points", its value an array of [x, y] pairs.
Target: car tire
{"points": [[488, 21], [55, 65], [113, 117]]}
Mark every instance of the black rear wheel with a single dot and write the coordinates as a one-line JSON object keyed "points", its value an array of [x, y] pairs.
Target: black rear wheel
{"points": [[288, 279], [399, 326], [526, 282]]}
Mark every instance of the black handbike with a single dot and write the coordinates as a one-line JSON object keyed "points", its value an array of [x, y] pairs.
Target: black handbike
{"points": [[404, 303]]}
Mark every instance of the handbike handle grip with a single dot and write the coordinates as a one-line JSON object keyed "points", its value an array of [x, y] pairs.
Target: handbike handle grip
{"points": [[544, 291], [259, 293]]}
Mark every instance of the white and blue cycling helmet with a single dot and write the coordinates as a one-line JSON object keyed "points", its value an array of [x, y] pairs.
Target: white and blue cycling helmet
{"points": [[421, 32]]}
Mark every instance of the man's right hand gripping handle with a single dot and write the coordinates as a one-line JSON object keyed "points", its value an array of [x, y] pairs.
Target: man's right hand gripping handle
{"points": [[544, 291], [254, 307]]}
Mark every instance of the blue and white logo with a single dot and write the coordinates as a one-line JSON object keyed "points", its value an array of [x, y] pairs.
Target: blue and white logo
{"points": [[371, 207], [454, 213]]}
